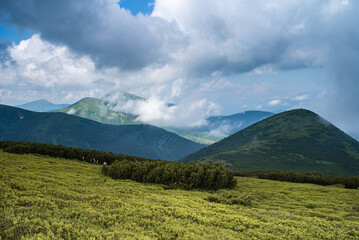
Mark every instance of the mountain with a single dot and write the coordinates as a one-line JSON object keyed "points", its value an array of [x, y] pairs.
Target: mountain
{"points": [[58, 128], [219, 127], [42, 106], [293, 140], [98, 110]]}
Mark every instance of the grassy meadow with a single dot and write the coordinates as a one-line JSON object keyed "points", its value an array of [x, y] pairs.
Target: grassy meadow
{"points": [[49, 198]]}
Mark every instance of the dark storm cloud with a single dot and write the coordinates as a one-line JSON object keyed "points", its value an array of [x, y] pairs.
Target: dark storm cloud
{"points": [[100, 29], [4, 53], [344, 69]]}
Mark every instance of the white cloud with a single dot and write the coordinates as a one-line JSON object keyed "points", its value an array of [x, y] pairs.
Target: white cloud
{"points": [[274, 102], [301, 97], [188, 112], [71, 111], [44, 70], [260, 106]]}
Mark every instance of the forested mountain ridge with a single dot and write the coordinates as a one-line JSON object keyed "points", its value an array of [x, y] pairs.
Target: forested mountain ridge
{"points": [[58, 128]]}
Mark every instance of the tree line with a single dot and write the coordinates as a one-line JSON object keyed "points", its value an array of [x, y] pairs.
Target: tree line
{"points": [[122, 166], [303, 177], [59, 151], [174, 174]]}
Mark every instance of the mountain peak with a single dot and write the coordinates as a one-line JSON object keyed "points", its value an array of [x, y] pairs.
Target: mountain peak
{"points": [[120, 95], [293, 140], [41, 105]]}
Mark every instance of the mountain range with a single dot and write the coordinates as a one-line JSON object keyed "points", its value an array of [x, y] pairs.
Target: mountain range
{"points": [[42, 105], [59, 128], [294, 140], [217, 127]]}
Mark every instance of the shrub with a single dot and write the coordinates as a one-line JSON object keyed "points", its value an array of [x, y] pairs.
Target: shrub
{"points": [[121, 166], [302, 177], [173, 174]]}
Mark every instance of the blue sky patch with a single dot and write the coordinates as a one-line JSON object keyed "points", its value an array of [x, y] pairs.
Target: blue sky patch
{"points": [[137, 6]]}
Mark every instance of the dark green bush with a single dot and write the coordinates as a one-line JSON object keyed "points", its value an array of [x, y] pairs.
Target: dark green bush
{"points": [[120, 166], [60, 151], [302, 177], [173, 174]]}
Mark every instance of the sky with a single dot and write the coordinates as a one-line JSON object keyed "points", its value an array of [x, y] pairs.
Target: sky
{"points": [[207, 57]]}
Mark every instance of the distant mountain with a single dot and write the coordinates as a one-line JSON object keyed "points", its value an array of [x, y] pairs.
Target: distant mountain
{"points": [[120, 96], [42, 106], [218, 127], [98, 110], [58, 128], [293, 140]]}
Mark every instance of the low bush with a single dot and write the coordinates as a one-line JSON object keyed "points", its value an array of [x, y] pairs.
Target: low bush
{"points": [[121, 166], [60, 151], [232, 198], [173, 174], [302, 177]]}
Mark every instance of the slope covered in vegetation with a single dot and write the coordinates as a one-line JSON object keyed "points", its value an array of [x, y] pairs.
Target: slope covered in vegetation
{"points": [[43, 197], [173, 174], [58, 128], [98, 110], [297, 140]]}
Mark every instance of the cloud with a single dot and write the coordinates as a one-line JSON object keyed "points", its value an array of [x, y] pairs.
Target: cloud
{"points": [[274, 102], [243, 36], [184, 48], [5, 59], [37, 68], [342, 104], [227, 37], [189, 112], [301, 97], [71, 111], [103, 30], [260, 106]]}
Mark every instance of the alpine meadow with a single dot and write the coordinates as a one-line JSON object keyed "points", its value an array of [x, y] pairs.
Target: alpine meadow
{"points": [[179, 119]]}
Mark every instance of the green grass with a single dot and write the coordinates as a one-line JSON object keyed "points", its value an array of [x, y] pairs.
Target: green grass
{"points": [[43, 197]]}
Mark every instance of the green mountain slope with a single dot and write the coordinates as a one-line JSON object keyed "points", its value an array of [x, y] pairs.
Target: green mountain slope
{"points": [[98, 110], [42, 106], [293, 140], [59, 128]]}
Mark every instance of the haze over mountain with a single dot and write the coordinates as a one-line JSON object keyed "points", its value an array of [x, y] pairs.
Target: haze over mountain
{"points": [[58, 128], [98, 110], [215, 128], [294, 140], [42, 106]]}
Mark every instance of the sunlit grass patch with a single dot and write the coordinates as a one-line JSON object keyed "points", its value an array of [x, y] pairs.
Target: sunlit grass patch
{"points": [[42, 197]]}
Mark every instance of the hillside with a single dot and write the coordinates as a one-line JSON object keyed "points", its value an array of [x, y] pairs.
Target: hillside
{"points": [[42, 106], [97, 110], [293, 140], [49, 198], [59, 128]]}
